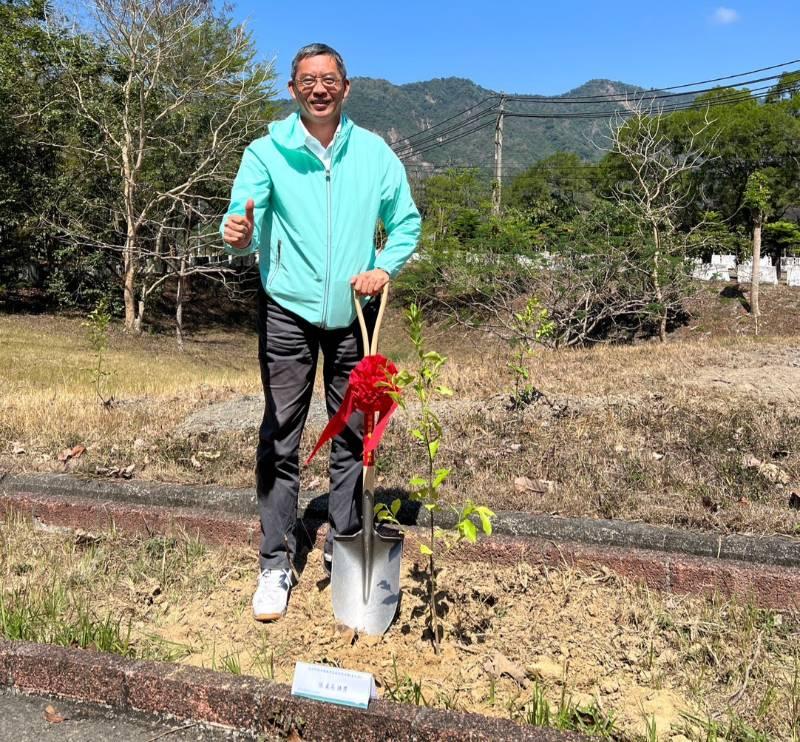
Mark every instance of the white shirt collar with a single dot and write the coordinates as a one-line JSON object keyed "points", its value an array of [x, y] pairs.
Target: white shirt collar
{"points": [[323, 153]]}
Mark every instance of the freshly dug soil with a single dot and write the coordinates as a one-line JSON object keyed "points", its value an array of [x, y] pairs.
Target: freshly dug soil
{"points": [[511, 634], [600, 641]]}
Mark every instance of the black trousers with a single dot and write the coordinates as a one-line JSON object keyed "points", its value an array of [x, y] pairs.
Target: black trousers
{"points": [[288, 350]]}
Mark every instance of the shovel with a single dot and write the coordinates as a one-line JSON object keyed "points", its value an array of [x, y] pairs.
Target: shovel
{"points": [[365, 574]]}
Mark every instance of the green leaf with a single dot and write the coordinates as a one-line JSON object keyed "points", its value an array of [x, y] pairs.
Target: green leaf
{"points": [[433, 448], [467, 510], [396, 506], [416, 433], [404, 378], [430, 506], [381, 513], [397, 398], [486, 516], [417, 482], [445, 391], [468, 530], [441, 475], [425, 550]]}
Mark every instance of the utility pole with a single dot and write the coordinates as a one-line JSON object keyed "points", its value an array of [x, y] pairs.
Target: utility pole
{"points": [[497, 189]]}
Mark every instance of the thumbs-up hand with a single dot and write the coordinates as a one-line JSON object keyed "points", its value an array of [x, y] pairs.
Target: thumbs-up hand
{"points": [[238, 230]]}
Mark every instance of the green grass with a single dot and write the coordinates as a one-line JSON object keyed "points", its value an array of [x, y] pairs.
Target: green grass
{"points": [[404, 689], [566, 716], [52, 615]]}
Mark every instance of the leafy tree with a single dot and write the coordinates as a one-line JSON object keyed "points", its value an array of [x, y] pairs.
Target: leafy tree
{"points": [[453, 204], [783, 235], [787, 87], [167, 93], [714, 235], [27, 168], [556, 187], [747, 136], [514, 231]]}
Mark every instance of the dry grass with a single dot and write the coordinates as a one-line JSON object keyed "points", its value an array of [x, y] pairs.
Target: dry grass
{"points": [[49, 402], [651, 432], [631, 654]]}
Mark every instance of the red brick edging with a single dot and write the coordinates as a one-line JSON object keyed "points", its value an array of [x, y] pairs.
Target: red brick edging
{"points": [[245, 703], [767, 586]]}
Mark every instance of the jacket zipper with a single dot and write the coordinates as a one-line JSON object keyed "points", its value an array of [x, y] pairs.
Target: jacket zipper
{"points": [[329, 250], [277, 266]]}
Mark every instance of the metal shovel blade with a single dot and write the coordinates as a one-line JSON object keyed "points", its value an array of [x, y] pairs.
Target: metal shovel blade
{"points": [[365, 575]]}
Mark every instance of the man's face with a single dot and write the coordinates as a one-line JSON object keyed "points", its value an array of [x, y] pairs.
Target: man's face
{"points": [[319, 103]]}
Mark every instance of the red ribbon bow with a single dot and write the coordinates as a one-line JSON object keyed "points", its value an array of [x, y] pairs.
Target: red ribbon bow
{"points": [[368, 392]]}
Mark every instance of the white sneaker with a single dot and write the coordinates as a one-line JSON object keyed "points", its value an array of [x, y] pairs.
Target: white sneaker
{"points": [[272, 594]]}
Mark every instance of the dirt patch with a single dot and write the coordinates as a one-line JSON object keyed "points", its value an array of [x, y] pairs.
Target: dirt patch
{"points": [[513, 635], [718, 309], [241, 414], [558, 629], [768, 374]]}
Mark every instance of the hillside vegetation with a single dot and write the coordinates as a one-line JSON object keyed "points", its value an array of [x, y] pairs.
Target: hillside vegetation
{"points": [[398, 111]]}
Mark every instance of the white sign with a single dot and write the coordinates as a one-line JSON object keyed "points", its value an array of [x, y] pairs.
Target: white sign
{"points": [[333, 685]]}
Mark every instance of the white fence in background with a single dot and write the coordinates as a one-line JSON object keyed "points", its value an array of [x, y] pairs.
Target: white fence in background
{"points": [[768, 274], [710, 272], [793, 275], [725, 261]]}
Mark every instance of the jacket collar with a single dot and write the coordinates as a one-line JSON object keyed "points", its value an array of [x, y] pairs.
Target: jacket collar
{"points": [[289, 133]]}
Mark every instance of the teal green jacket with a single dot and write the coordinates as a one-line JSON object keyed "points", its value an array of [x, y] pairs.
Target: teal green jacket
{"points": [[315, 229]]}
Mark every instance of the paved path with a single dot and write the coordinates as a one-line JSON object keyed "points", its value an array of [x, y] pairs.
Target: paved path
{"points": [[22, 720]]}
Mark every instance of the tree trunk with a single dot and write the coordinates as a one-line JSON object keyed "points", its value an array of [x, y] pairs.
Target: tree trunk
{"points": [[129, 283], [179, 305], [139, 318], [130, 259], [756, 276], [662, 323]]}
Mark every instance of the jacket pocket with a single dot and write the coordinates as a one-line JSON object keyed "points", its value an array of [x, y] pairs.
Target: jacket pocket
{"points": [[276, 267]]}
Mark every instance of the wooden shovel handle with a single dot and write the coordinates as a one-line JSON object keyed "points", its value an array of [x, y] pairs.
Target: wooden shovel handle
{"points": [[370, 349]]}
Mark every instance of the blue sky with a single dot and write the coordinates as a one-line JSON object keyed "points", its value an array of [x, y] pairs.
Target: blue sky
{"points": [[533, 47]]}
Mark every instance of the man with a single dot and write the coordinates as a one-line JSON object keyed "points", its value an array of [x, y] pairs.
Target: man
{"points": [[307, 197]]}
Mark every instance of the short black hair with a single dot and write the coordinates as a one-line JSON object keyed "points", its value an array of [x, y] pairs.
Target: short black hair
{"points": [[315, 50]]}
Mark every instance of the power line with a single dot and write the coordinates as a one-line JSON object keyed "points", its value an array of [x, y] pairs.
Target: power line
{"points": [[444, 121], [451, 139], [437, 136], [638, 95], [727, 99], [439, 140], [675, 87], [434, 135]]}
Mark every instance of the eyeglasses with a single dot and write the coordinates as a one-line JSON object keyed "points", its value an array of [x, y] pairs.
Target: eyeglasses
{"points": [[309, 81]]}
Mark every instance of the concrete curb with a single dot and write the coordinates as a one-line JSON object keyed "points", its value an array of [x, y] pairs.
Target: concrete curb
{"points": [[768, 550], [766, 585], [246, 703]]}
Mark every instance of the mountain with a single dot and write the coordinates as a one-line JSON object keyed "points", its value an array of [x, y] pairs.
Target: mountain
{"points": [[399, 111]]}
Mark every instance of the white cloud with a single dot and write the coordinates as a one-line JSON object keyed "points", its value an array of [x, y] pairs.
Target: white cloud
{"points": [[725, 16]]}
